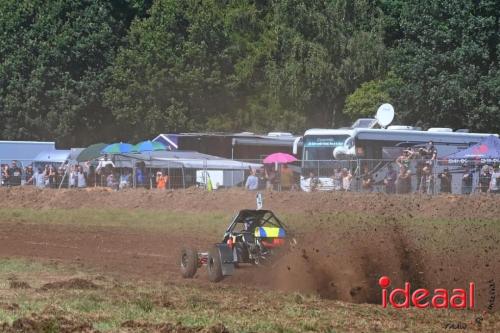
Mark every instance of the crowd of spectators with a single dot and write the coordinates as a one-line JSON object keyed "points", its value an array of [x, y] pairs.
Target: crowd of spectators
{"points": [[82, 176], [398, 177]]}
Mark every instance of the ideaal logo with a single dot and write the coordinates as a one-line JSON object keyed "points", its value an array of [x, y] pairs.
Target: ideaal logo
{"points": [[422, 298]]}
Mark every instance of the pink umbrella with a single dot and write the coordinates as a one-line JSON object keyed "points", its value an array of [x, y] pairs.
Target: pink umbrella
{"points": [[281, 158]]}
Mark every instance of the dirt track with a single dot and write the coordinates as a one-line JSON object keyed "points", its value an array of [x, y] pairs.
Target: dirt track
{"points": [[331, 260]]}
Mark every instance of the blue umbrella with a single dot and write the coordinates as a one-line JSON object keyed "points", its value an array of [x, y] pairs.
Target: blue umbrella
{"points": [[117, 148], [148, 146]]}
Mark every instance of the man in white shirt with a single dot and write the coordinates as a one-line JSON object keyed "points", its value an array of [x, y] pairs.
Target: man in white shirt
{"points": [[103, 163]]}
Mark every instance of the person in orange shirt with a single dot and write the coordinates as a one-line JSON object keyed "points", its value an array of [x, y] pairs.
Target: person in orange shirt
{"points": [[161, 180]]}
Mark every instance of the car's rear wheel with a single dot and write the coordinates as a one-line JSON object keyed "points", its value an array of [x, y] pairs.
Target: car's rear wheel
{"points": [[214, 265], [189, 262]]}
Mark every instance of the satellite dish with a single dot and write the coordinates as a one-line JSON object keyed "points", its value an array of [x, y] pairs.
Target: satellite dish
{"points": [[385, 115]]}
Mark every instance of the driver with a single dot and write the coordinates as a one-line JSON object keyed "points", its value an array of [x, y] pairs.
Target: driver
{"points": [[250, 223]]}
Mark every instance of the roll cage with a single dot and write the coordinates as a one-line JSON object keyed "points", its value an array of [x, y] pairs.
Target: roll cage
{"points": [[260, 218]]}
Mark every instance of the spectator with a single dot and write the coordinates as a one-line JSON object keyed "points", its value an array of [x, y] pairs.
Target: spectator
{"points": [[161, 180], [73, 177], [252, 182], [495, 180], [485, 179], [420, 157], [446, 178], [337, 179], [403, 182], [104, 163], [5, 175], [52, 176], [103, 169], [139, 174], [15, 174], [430, 151], [125, 179], [39, 178], [404, 159], [346, 179], [367, 180], [314, 182], [467, 180], [81, 177], [427, 180], [28, 175], [111, 181], [91, 176], [61, 173], [286, 178], [261, 175], [390, 180], [270, 178]]}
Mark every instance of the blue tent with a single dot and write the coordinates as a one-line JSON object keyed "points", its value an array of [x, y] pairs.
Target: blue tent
{"points": [[486, 151]]}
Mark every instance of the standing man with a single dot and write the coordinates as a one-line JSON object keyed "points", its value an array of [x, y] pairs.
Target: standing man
{"points": [[485, 179], [390, 180], [286, 178], [495, 180], [445, 178], [431, 151], [15, 173], [467, 180]]}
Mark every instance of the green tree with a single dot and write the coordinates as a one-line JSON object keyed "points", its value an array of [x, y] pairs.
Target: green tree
{"points": [[53, 68], [325, 50], [448, 59], [172, 73], [364, 101]]}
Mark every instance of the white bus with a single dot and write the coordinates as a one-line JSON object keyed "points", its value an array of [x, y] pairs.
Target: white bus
{"points": [[326, 149]]}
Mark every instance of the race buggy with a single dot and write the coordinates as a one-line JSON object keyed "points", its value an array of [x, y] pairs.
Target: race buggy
{"points": [[253, 237]]}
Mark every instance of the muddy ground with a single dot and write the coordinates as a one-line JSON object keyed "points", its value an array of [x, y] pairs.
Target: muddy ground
{"points": [[432, 242]]}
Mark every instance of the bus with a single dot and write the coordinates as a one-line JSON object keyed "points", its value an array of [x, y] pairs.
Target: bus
{"points": [[327, 149]]}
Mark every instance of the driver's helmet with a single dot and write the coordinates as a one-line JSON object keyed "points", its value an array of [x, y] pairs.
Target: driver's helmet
{"points": [[249, 222]]}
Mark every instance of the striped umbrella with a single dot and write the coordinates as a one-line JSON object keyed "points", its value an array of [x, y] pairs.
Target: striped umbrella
{"points": [[148, 146], [117, 148]]}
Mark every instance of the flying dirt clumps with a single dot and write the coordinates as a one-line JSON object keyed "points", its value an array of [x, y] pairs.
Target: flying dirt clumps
{"points": [[346, 265], [76, 283]]}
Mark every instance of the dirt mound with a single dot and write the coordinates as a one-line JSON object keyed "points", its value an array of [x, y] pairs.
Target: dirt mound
{"points": [[9, 306], [42, 324], [231, 200], [76, 283], [139, 326], [15, 284]]}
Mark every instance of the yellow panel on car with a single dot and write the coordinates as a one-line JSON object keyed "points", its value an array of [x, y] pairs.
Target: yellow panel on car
{"points": [[269, 232]]}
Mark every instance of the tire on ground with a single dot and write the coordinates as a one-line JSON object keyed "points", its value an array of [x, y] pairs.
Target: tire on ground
{"points": [[214, 265], [189, 262]]}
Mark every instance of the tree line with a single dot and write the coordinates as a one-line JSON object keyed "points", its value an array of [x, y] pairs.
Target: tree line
{"points": [[82, 71]]}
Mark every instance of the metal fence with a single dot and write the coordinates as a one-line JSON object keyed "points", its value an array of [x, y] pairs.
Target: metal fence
{"points": [[363, 175]]}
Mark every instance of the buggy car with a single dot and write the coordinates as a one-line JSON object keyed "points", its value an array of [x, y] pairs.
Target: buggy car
{"points": [[253, 237]]}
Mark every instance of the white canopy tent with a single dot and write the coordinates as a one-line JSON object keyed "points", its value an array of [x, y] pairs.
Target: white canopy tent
{"points": [[223, 171]]}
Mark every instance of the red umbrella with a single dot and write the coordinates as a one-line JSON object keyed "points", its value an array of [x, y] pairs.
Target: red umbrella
{"points": [[280, 158]]}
